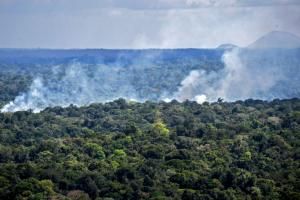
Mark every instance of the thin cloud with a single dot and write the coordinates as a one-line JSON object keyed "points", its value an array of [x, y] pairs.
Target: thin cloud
{"points": [[142, 24], [140, 4]]}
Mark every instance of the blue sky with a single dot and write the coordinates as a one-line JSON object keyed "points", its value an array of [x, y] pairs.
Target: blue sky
{"points": [[142, 23]]}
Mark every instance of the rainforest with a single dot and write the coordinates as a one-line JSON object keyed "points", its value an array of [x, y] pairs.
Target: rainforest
{"points": [[128, 150]]}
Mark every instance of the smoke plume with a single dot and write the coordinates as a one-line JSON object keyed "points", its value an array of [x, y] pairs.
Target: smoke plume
{"points": [[238, 80], [75, 84], [243, 75]]}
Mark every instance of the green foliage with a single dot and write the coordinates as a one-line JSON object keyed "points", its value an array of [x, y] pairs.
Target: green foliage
{"points": [[47, 186], [118, 150], [119, 153], [94, 150], [161, 129]]}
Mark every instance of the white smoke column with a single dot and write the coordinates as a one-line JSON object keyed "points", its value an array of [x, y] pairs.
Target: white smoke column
{"points": [[236, 81], [30, 100], [200, 98], [234, 74], [186, 91], [74, 84], [198, 86], [242, 81]]}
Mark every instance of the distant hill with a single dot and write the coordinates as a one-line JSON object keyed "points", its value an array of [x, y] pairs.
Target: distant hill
{"points": [[227, 46], [276, 39]]}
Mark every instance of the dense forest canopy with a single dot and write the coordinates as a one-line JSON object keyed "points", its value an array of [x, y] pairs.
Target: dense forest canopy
{"points": [[128, 150]]}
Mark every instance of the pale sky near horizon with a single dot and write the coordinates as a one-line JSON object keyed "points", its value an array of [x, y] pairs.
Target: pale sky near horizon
{"points": [[142, 23]]}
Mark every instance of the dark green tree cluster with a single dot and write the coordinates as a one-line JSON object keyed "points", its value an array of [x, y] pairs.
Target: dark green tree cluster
{"points": [[127, 150]]}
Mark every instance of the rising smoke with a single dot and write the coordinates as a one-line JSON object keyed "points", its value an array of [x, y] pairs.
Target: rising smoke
{"points": [[75, 84], [236, 81], [80, 84]]}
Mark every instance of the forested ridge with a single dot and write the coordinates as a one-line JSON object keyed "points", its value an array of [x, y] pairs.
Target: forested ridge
{"points": [[128, 150]]}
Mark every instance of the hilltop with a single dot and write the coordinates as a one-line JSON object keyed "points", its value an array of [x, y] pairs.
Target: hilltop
{"points": [[276, 39]]}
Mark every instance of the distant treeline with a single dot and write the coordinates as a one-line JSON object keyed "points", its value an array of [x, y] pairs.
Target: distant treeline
{"points": [[107, 56]]}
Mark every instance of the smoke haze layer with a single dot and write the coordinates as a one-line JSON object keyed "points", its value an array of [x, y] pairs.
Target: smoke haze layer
{"points": [[237, 80], [74, 84], [243, 74]]}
